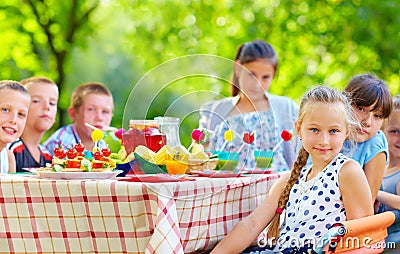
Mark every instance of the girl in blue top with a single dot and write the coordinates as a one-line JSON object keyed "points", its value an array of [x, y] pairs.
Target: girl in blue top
{"points": [[251, 108], [390, 189], [330, 190], [372, 103]]}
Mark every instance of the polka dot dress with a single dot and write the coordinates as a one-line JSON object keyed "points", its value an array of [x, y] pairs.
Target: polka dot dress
{"points": [[313, 206]]}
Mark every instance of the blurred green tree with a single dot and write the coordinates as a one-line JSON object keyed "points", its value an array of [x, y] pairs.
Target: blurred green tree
{"points": [[120, 42], [39, 37]]}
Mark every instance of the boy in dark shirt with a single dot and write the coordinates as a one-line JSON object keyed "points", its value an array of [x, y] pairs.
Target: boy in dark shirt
{"points": [[42, 113]]}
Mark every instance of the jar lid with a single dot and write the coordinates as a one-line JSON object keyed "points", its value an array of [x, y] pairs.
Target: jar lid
{"points": [[141, 124], [167, 120]]}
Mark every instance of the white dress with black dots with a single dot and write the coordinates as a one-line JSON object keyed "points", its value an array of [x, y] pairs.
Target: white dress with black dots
{"points": [[313, 206]]}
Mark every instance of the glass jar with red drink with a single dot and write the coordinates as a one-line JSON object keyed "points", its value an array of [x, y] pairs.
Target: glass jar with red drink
{"points": [[143, 132]]}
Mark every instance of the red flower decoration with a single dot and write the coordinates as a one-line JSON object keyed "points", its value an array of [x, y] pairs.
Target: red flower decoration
{"points": [[119, 133], [248, 138], [198, 135], [286, 135]]}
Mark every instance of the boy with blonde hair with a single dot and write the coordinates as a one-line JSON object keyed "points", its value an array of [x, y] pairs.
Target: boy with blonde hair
{"points": [[27, 150], [14, 105], [91, 103]]}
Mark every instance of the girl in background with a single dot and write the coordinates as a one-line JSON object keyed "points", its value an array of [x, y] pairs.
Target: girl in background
{"points": [[390, 189], [372, 103], [330, 190], [251, 108]]}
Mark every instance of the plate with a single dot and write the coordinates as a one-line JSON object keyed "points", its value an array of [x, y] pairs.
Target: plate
{"points": [[77, 175], [256, 171], [32, 170], [217, 174], [159, 178]]}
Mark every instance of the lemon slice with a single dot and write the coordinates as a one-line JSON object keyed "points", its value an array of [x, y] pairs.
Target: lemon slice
{"points": [[197, 148]]}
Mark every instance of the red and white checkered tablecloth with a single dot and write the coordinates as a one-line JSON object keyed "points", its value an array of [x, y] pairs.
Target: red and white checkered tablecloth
{"points": [[109, 216]]}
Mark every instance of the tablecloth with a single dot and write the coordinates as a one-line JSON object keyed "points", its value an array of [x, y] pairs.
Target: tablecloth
{"points": [[110, 216]]}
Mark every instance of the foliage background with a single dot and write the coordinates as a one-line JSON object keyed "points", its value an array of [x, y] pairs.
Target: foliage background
{"points": [[118, 41]]}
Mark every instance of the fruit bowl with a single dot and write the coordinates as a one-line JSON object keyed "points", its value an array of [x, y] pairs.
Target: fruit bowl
{"points": [[148, 167]]}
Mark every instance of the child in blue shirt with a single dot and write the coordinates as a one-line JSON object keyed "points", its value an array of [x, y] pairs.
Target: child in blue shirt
{"points": [[388, 196], [372, 103]]}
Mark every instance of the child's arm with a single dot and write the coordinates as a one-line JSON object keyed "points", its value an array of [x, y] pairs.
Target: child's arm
{"points": [[11, 162], [374, 170], [389, 199], [244, 233], [355, 191]]}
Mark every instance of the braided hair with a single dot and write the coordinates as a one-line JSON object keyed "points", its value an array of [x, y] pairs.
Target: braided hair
{"points": [[310, 101]]}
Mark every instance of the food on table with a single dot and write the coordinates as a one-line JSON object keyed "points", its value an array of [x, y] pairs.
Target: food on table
{"points": [[106, 151], [97, 164], [80, 148], [156, 158], [197, 148], [77, 159], [74, 163], [73, 160], [175, 167], [145, 152], [122, 154], [178, 154], [98, 155], [72, 153], [59, 152]]}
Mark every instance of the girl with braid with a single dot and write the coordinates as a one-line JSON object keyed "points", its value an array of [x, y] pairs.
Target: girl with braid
{"points": [[331, 189]]}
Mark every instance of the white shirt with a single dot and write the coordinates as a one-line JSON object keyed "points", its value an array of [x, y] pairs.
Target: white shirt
{"points": [[4, 161]]}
